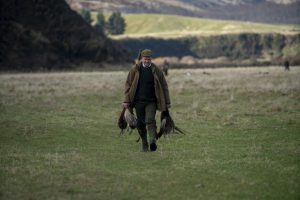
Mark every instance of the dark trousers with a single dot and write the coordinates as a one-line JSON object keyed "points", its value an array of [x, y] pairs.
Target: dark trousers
{"points": [[145, 112]]}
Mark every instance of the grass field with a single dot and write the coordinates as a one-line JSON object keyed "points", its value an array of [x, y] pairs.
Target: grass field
{"points": [[155, 25], [59, 139]]}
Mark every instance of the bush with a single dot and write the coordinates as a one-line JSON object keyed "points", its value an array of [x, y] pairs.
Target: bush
{"points": [[116, 24], [86, 15], [101, 24]]}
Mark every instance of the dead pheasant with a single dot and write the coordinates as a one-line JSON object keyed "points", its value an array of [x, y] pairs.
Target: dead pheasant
{"points": [[130, 118], [122, 122], [127, 118], [167, 125]]}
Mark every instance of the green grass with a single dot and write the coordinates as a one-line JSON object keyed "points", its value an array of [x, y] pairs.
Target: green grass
{"points": [[59, 140], [156, 25]]}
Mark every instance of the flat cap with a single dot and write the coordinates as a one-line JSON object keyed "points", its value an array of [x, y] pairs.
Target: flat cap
{"points": [[146, 53]]}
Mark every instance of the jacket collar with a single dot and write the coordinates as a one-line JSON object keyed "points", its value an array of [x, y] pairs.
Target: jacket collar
{"points": [[140, 64]]}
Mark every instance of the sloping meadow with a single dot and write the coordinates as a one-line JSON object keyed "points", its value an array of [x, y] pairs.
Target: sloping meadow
{"points": [[59, 138], [268, 48]]}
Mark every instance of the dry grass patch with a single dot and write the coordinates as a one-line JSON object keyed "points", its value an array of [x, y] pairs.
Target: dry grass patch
{"points": [[59, 138]]}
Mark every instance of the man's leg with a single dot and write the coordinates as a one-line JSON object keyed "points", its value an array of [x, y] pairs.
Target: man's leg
{"points": [[141, 126], [151, 124]]}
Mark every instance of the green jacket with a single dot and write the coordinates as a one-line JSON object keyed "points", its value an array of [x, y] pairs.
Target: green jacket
{"points": [[160, 86]]}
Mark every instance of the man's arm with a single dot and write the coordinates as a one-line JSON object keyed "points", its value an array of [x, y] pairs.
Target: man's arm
{"points": [[165, 89], [126, 102]]}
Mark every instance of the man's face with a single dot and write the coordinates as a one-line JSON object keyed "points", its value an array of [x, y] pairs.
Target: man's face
{"points": [[146, 61]]}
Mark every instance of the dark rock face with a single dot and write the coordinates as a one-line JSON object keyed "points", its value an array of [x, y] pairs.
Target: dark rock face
{"points": [[38, 34]]}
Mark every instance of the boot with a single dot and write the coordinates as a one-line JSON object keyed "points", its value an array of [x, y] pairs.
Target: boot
{"points": [[145, 146], [152, 134], [153, 146], [143, 135]]}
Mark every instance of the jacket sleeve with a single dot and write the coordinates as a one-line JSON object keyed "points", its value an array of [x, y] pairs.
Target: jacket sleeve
{"points": [[127, 87], [165, 89]]}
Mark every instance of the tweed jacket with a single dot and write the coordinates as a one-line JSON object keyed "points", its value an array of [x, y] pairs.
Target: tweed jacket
{"points": [[160, 86]]}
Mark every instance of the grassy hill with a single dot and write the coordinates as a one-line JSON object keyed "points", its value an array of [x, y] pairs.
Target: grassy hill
{"points": [[170, 35], [265, 11], [156, 25], [59, 137]]}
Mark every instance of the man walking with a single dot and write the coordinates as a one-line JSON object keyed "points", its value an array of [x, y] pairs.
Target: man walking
{"points": [[146, 90]]}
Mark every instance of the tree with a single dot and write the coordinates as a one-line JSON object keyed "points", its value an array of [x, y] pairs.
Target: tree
{"points": [[86, 15], [116, 24], [100, 25]]}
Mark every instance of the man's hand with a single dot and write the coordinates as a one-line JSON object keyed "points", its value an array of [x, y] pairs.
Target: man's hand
{"points": [[125, 105]]}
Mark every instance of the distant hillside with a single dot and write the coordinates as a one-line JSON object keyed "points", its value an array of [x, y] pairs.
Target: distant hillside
{"points": [[37, 34], [229, 48], [191, 40], [266, 11], [175, 26]]}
